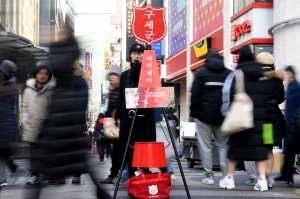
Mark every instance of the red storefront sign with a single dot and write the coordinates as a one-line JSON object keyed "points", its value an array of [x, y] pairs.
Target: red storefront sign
{"points": [[240, 29], [116, 19], [149, 23]]}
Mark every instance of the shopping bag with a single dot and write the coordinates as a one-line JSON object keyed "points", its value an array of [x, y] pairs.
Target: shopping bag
{"points": [[111, 131], [145, 186], [267, 134], [240, 115]]}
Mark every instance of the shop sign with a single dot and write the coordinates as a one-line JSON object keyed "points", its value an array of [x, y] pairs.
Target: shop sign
{"points": [[116, 19], [234, 61], [201, 49], [240, 29], [149, 23], [87, 60]]}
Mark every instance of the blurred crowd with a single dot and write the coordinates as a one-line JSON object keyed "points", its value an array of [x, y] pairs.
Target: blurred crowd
{"points": [[53, 120]]}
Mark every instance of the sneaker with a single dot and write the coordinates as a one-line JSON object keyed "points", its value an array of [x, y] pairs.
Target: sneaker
{"points": [[33, 180], [261, 185], [20, 173], [115, 179], [173, 177], [3, 184], [76, 180], [270, 181], [227, 183], [108, 180], [251, 182], [209, 180]]}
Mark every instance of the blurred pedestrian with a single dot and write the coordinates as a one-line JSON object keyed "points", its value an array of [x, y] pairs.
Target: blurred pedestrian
{"points": [[99, 137], [206, 101], [61, 148], [113, 98], [144, 124], [8, 120], [35, 108], [250, 141], [290, 141]]}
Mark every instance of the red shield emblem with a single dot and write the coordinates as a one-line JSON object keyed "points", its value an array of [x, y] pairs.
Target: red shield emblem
{"points": [[149, 23]]}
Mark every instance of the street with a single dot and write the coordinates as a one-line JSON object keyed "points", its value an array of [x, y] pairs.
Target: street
{"points": [[194, 176]]}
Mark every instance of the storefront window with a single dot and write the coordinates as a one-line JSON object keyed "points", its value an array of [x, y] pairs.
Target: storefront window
{"points": [[240, 4]]}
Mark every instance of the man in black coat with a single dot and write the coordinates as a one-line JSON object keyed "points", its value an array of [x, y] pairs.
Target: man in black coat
{"points": [[206, 101], [144, 124]]}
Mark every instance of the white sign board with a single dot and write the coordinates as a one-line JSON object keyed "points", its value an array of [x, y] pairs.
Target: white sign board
{"points": [[189, 128]]}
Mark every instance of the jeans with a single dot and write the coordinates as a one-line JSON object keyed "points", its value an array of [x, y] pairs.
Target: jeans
{"points": [[169, 168], [181, 151]]}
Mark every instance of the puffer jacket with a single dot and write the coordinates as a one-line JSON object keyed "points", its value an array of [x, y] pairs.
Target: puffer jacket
{"points": [[8, 120], [206, 98], [35, 107]]}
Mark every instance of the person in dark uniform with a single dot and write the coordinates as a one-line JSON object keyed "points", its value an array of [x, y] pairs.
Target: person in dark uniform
{"points": [[144, 124]]}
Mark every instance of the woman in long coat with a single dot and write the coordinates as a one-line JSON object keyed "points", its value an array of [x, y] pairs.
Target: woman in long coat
{"points": [[249, 145], [144, 124], [35, 108]]}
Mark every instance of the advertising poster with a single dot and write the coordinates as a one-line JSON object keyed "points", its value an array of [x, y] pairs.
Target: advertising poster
{"points": [[208, 16], [149, 97], [176, 26]]}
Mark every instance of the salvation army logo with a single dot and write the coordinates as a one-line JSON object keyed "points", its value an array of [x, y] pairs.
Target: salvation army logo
{"points": [[153, 190]]}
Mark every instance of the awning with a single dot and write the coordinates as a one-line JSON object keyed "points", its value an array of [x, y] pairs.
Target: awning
{"points": [[21, 50]]}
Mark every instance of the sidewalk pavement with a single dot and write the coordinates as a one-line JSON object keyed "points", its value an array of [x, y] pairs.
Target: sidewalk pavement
{"points": [[194, 176]]}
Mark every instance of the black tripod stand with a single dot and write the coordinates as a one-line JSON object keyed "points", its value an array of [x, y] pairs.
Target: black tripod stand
{"points": [[175, 151]]}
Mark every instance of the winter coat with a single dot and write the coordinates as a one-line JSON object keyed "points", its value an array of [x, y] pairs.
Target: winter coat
{"points": [[112, 101], [294, 131], [35, 108], [61, 148], [275, 115], [175, 122], [143, 128], [292, 97], [206, 98], [248, 145], [8, 121]]}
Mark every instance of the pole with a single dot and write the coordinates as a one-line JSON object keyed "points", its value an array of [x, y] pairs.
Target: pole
{"points": [[176, 154], [188, 61]]}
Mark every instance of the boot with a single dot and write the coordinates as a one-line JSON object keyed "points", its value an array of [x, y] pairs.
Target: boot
{"points": [[58, 181], [282, 176], [290, 180]]}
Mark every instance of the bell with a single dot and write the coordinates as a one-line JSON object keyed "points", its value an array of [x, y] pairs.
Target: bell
{"points": [[149, 155]]}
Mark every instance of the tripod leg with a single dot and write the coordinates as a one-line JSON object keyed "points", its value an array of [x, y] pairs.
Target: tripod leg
{"points": [[123, 160], [177, 156]]}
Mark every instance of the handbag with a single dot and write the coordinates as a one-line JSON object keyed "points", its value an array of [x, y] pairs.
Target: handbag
{"points": [[111, 131], [240, 114], [153, 185]]}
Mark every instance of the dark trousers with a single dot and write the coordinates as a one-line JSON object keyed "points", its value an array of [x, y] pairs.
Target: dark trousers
{"points": [[5, 159], [32, 148], [289, 160], [115, 164]]}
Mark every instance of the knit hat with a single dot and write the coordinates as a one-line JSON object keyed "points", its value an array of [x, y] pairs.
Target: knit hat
{"points": [[265, 58], [136, 47], [9, 68]]}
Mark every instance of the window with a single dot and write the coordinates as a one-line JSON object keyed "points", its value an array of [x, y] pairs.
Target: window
{"points": [[238, 5]]}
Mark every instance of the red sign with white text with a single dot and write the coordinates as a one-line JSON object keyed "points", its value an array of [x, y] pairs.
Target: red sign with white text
{"points": [[159, 67], [240, 29], [149, 76], [149, 23]]}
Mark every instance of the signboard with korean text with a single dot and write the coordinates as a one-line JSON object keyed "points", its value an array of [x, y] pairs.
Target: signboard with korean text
{"points": [[149, 23], [154, 97], [156, 46], [149, 75], [87, 60]]}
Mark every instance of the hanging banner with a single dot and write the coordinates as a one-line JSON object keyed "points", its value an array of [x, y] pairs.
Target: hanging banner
{"points": [[87, 60]]}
